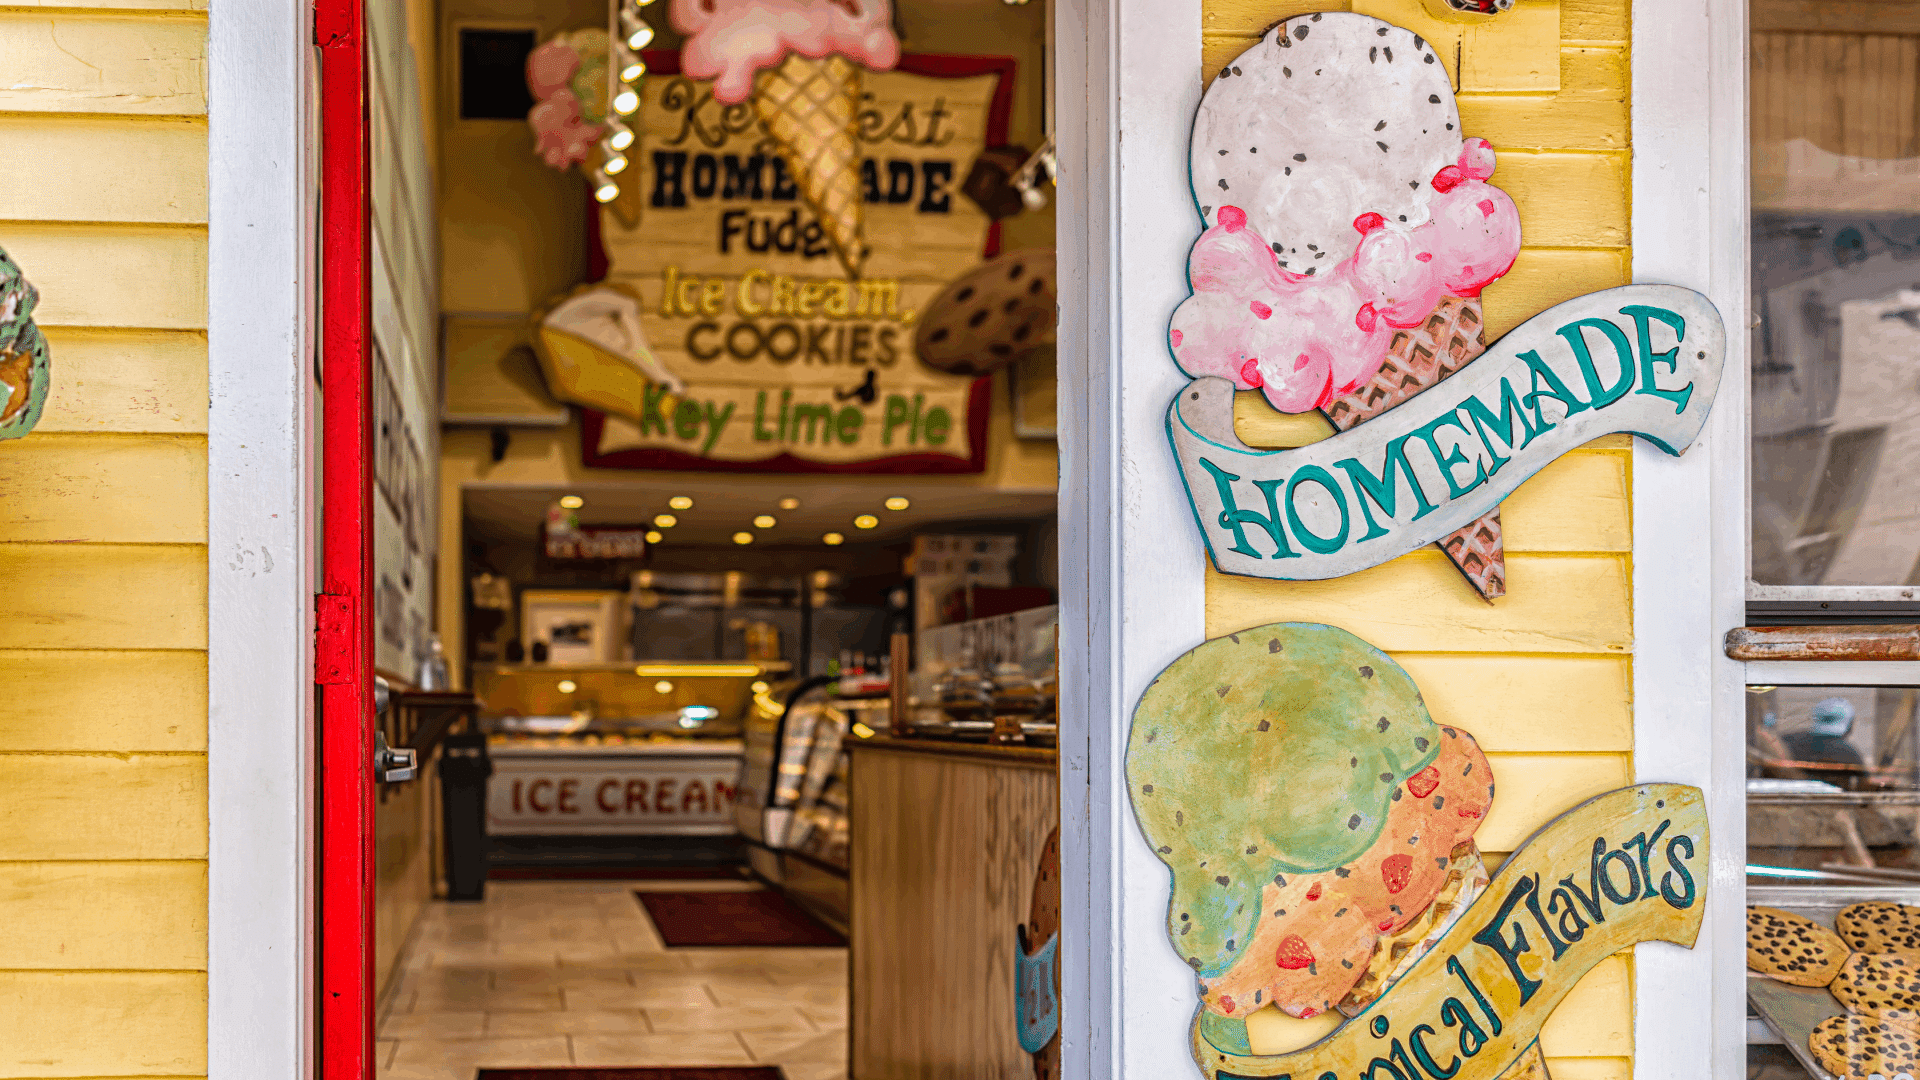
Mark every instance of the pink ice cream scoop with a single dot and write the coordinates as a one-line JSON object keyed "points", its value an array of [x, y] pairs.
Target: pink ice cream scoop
{"points": [[729, 40], [1305, 339]]}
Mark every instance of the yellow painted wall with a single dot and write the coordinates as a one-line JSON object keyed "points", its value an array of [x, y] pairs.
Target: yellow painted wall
{"points": [[1542, 676], [103, 561]]}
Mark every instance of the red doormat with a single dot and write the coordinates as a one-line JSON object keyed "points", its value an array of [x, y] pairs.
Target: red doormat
{"points": [[616, 873], [734, 1072], [763, 917]]}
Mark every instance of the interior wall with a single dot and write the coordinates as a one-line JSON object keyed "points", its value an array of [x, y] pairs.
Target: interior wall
{"points": [[1542, 676]]}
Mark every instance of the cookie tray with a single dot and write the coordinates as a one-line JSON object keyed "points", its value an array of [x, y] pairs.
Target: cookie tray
{"points": [[1791, 1011]]}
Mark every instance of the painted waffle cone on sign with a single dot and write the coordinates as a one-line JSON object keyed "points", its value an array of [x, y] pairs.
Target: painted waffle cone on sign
{"points": [[1419, 359], [809, 108]]}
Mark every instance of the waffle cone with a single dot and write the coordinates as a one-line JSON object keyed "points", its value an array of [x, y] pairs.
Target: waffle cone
{"points": [[810, 108], [1418, 360]]}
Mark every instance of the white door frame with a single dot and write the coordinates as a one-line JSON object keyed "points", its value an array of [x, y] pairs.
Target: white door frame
{"points": [[1689, 64], [1132, 582], [259, 557]]}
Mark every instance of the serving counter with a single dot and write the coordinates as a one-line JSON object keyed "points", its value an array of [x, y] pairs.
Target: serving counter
{"points": [[947, 839]]}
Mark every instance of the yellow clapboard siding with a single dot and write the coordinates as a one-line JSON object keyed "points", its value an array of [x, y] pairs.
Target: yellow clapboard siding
{"points": [[126, 380], [1420, 603], [1218, 50], [1594, 71], [1567, 200], [1533, 789], [103, 806], [113, 275], [1522, 704], [1596, 20], [1561, 122], [171, 154], [119, 1024], [103, 63], [1595, 1020], [1542, 278], [98, 700], [1253, 17], [1519, 52], [132, 489], [1613, 1068], [129, 916], [1579, 502], [103, 596]]}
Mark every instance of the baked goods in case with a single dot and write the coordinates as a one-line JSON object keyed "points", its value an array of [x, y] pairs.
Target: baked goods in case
{"points": [[1879, 984], [1865, 1048], [1792, 948], [1879, 926]]}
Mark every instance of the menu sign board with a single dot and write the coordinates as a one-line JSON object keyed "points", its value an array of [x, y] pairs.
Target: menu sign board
{"points": [[786, 363]]}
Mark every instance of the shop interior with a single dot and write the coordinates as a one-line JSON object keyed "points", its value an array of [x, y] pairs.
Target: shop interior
{"points": [[716, 544]]}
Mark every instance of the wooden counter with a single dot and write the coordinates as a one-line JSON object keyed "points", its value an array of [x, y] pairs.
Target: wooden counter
{"points": [[946, 838]]}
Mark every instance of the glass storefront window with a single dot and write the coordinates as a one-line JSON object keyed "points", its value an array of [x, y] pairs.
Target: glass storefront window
{"points": [[1833, 822], [1835, 115]]}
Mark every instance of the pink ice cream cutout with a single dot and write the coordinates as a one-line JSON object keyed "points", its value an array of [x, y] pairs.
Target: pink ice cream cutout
{"points": [[562, 135], [729, 40], [1306, 339]]}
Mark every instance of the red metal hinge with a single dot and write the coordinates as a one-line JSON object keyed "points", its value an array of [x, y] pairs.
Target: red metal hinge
{"points": [[332, 639]]}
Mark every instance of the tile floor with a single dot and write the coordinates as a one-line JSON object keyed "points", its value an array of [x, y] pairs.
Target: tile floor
{"points": [[553, 973]]}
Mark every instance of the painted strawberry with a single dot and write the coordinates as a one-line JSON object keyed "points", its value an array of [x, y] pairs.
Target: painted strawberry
{"points": [[1293, 954]]}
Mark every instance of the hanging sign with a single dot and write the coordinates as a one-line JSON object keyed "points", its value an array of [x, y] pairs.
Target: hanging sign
{"points": [[1318, 828], [1641, 358], [737, 336], [1349, 228]]}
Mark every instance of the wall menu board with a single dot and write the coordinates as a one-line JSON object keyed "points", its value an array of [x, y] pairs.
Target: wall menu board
{"points": [[789, 365]]}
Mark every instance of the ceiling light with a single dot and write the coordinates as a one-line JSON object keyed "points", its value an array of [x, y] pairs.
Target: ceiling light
{"points": [[833, 539], [898, 502], [789, 503], [615, 165], [743, 538], [663, 687], [568, 686], [765, 521], [572, 502], [680, 502], [626, 103], [865, 521], [665, 521], [654, 536], [759, 686]]}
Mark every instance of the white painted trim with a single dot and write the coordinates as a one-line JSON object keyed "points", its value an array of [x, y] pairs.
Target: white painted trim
{"points": [[1833, 594], [1689, 518], [1833, 673], [1133, 582], [259, 588]]}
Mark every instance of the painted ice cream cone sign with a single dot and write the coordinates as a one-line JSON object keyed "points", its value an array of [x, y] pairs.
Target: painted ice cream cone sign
{"points": [[1350, 227], [1318, 827]]}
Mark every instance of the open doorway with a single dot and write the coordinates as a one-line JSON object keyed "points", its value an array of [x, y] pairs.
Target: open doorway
{"points": [[719, 605]]}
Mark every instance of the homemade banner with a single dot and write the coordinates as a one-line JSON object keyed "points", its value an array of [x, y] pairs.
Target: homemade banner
{"points": [[1643, 359], [730, 335], [1622, 868], [1348, 230]]}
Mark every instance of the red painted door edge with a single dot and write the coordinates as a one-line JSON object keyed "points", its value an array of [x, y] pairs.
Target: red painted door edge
{"points": [[344, 618]]}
